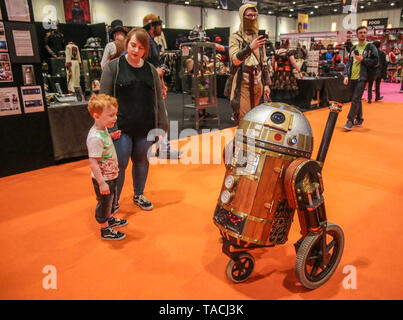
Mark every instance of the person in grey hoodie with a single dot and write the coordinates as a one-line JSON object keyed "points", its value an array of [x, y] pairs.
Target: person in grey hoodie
{"points": [[137, 86]]}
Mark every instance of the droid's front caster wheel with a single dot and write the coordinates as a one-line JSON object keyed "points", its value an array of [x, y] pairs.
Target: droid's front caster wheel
{"points": [[309, 267], [240, 268]]}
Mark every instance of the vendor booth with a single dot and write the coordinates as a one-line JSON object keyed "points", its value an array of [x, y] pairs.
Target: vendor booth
{"points": [[324, 67]]}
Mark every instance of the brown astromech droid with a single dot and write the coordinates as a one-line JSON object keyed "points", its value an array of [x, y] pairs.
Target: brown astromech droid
{"points": [[270, 175]]}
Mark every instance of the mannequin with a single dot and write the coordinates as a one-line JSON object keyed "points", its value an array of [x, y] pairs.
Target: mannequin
{"points": [[54, 42], [73, 64]]}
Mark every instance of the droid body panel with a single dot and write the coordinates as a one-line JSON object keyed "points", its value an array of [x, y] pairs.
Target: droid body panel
{"points": [[253, 210], [270, 177]]}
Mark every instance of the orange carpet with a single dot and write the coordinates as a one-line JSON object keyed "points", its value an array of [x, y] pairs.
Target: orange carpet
{"points": [[173, 252]]}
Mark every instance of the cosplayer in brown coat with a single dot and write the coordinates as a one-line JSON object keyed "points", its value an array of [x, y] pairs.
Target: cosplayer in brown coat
{"points": [[248, 55]]}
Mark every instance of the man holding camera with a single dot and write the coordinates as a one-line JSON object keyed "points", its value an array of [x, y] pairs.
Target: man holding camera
{"points": [[362, 56], [248, 56]]}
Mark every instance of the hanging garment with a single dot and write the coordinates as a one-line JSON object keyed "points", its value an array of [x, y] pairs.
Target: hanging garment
{"points": [[73, 62]]}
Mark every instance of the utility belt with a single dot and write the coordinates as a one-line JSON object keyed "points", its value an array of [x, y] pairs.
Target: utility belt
{"points": [[252, 74]]}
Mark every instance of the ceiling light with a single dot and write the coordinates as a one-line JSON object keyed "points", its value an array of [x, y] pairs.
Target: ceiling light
{"points": [[316, 7], [392, 4], [291, 9], [362, 7], [186, 2], [293, 2], [290, 15], [334, 10], [270, 12], [311, 12]]}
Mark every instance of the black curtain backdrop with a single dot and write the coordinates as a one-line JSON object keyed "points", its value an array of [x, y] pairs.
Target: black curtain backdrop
{"points": [[172, 34], [223, 33], [77, 33], [25, 138]]}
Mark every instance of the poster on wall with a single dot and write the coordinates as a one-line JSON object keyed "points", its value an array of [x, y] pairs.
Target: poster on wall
{"points": [[9, 101], [22, 42], [28, 75], [17, 10], [302, 22], [6, 73], [3, 40], [32, 99], [77, 11]]}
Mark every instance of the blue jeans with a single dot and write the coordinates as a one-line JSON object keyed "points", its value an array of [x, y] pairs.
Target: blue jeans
{"points": [[135, 148], [357, 88], [106, 202]]}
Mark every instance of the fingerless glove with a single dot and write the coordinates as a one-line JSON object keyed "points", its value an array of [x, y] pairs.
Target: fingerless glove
{"points": [[244, 53]]}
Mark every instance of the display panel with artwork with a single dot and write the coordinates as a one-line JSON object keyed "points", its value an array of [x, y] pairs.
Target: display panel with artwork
{"points": [[3, 40], [9, 101], [17, 10], [32, 99], [6, 73], [77, 11]]}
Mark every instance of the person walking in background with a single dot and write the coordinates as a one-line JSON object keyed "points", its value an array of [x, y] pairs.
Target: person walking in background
{"points": [[362, 56], [380, 74]]}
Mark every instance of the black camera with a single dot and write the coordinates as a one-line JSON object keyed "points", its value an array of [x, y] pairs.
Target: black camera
{"points": [[167, 70]]}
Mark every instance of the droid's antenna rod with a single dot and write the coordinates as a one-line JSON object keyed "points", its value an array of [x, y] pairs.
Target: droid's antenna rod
{"points": [[335, 109]]}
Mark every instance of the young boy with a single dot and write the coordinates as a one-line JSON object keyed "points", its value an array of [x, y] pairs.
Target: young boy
{"points": [[104, 164]]}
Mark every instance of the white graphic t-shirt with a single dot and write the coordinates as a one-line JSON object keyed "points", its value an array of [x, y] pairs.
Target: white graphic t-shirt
{"points": [[100, 145]]}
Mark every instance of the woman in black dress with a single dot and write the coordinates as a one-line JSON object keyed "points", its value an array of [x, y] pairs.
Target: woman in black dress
{"points": [[284, 86]]}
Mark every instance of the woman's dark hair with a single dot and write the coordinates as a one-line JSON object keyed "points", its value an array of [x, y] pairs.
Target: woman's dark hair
{"points": [[142, 37], [361, 27]]}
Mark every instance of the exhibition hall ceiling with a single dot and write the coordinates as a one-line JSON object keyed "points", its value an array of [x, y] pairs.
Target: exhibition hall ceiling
{"points": [[291, 8]]}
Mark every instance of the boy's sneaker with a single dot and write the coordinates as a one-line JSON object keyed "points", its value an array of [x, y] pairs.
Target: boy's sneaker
{"points": [[115, 222], [358, 122], [142, 202], [349, 125], [111, 234]]}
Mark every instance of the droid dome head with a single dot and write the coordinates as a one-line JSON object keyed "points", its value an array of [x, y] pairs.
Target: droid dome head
{"points": [[277, 127]]}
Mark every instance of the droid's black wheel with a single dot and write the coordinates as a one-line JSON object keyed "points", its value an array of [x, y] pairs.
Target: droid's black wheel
{"points": [[240, 268], [308, 265]]}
